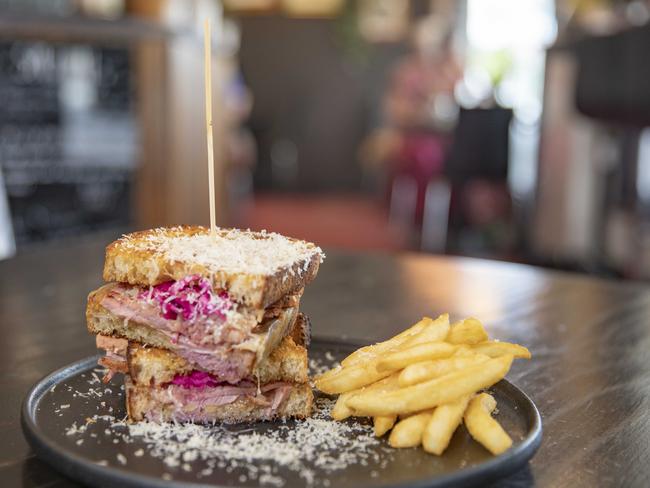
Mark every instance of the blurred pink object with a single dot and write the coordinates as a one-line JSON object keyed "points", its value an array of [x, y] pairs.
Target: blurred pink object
{"points": [[421, 158]]}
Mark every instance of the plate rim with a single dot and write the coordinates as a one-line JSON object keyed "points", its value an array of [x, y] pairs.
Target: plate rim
{"points": [[81, 469]]}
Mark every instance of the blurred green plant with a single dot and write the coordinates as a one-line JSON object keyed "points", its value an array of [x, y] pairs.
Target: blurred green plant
{"points": [[348, 37]]}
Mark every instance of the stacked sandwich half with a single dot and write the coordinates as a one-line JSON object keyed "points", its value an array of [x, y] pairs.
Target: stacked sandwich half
{"points": [[206, 327]]}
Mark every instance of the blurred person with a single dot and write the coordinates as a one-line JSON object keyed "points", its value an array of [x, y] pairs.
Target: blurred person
{"points": [[423, 80], [418, 111]]}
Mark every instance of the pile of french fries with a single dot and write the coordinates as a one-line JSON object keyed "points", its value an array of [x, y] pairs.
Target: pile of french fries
{"points": [[424, 382]]}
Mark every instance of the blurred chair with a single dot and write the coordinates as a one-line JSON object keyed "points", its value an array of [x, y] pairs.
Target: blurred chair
{"points": [[420, 157], [7, 244], [403, 201], [435, 219], [477, 169], [480, 146]]}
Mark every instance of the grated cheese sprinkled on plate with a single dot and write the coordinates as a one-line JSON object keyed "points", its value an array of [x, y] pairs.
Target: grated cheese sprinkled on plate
{"points": [[304, 447], [230, 251], [317, 367]]}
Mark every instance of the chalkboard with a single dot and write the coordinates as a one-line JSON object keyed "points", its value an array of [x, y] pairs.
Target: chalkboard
{"points": [[68, 138]]}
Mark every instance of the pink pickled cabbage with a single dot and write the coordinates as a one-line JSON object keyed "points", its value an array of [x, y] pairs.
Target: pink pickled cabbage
{"points": [[196, 379], [189, 298]]}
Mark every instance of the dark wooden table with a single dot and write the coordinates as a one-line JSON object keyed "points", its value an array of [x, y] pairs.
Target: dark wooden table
{"points": [[590, 341]]}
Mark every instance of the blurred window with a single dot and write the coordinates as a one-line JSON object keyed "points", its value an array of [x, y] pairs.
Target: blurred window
{"points": [[506, 42]]}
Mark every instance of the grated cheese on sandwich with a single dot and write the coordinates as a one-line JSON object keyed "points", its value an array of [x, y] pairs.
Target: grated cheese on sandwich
{"points": [[230, 250]]}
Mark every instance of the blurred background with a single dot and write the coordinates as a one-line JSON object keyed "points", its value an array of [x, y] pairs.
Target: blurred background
{"points": [[504, 129]]}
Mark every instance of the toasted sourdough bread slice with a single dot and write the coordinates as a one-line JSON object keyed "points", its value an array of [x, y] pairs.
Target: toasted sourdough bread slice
{"points": [[101, 321], [150, 366], [143, 402], [256, 268]]}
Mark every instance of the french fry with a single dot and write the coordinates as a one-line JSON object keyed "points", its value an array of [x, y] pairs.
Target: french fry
{"points": [[420, 352], [464, 350], [468, 331], [341, 411], [436, 331], [390, 383], [329, 373], [383, 423], [408, 432], [341, 379], [432, 393], [494, 349], [363, 370], [352, 378], [442, 425], [423, 382], [427, 370], [369, 352], [483, 428]]}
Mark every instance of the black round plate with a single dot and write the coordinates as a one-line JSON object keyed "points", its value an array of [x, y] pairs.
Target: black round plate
{"points": [[97, 457]]}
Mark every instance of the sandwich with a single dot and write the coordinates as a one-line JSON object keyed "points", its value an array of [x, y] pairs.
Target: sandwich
{"points": [[206, 327]]}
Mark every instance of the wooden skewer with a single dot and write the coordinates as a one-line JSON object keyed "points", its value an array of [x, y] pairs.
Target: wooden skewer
{"points": [[207, 43]]}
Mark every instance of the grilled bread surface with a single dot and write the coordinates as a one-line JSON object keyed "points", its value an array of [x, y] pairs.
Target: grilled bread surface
{"points": [[141, 404], [256, 268], [154, 366]]}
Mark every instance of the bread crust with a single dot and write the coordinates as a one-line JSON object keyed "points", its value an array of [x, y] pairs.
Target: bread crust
{"points": [[134, 259], [301, 332], [141, 405]]}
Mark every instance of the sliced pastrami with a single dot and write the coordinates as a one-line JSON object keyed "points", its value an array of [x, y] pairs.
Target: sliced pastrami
{"points": [[115, 359]]}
